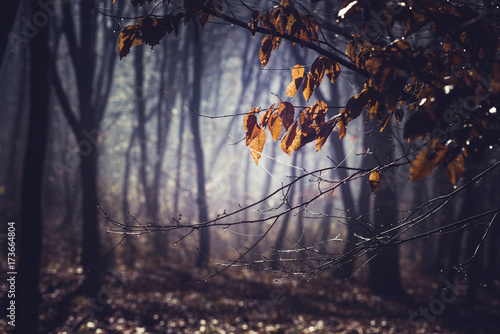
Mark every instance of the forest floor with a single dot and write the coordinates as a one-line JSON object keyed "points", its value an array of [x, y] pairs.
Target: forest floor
{"points": [[175, 301]]}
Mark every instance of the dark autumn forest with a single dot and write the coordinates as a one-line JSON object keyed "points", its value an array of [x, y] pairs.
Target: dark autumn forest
{"points": [[233, 166]]}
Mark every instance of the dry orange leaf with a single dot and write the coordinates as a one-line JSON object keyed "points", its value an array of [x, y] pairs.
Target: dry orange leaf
{"points": [[426, 161], [275, 125], [129, 37], [264, 119], [324, 132], [286, 143], [308, 86], [374, 179], [297, 77], [255, 136], [286, 112], [265, 50]]}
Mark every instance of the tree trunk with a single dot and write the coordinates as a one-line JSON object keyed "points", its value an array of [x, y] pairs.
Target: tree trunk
{"points": [[30, 228], [91, 259], [201, 198], [384, 272], [93, 86]]}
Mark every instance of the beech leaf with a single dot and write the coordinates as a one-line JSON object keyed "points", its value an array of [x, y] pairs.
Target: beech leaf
{"points": [[286, 143], [265, 50], [426, 161], [286, 112], [129, 37], [324, 132]]}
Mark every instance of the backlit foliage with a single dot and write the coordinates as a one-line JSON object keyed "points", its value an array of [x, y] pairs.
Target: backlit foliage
{"points": [[447, 93]]}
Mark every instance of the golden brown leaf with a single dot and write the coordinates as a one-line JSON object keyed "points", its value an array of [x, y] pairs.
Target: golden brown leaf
{"points": [[250, 123], [318, 112], [286, 112], [426, 161], [324, 132], [265, 50], [356, 104], [275, 126], [312, 27], [286, 143], [264, 119], [374, 179], [332, 70], [308, 86], [318, 69], [298, 72], [350, 50], [297, 77], [255, 136], [342, 124], [129, 37], [355, 46], [257, 145], [305, 121]]}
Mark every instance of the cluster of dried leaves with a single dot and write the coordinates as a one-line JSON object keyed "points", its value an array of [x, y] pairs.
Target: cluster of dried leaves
{"points": [[436, 86], [449, 92]]}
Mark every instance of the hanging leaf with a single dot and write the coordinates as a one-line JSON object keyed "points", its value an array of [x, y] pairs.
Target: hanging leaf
{"points": [[426, 161], [264, 119], [352, 110], [456, 168], [297, 78], [203, 17], [257, 145], [275, 125], [286, 143], [286, 112], [342, 124], [332, 70], [308, 86], [324, 132], [255, 137], [129, 37], [153, 29], [318, 112], [318, 69], [265, 50], [374, 179], [355, 46]]}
